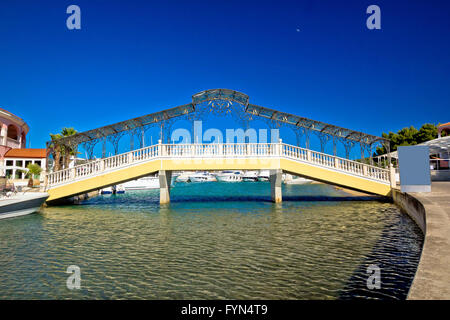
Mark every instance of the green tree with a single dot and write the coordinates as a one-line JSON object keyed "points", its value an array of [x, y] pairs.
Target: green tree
{"points": [[57, 150], [68, 152], [408, 136], [427, 132], [62, 151], [34, 170]]}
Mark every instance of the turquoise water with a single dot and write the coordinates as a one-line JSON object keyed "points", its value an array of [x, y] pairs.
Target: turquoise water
{"points": [[213, 241]]}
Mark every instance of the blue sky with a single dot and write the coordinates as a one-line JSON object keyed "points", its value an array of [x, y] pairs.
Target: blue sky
{"points": [[137, 57]]}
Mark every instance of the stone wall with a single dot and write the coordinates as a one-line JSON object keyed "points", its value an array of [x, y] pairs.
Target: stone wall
{"points": [[411, 206]]}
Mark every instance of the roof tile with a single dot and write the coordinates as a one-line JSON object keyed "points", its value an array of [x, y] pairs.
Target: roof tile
{"points": [[26, 153]]}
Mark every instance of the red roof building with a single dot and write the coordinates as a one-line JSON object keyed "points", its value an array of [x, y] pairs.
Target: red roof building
{"points": [[443, 127], [26, 153], [14, 156]]}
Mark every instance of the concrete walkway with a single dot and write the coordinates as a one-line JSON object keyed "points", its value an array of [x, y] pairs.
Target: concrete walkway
{"points": [[432, 280]]}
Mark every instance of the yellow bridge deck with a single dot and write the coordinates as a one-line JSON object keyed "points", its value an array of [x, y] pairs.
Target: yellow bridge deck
{"points": [[298, 161]]}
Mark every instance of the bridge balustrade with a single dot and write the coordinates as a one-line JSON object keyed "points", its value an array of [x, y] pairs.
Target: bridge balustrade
{"points": [[227, 150]]}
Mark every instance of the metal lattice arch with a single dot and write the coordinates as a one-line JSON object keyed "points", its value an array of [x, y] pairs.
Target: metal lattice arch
{"points": [[218, 100]]}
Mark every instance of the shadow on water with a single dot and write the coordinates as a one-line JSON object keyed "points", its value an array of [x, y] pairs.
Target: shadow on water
{"points": [[220, 192], [396, 256], [318, 198], [335, 198], [233, 198]]}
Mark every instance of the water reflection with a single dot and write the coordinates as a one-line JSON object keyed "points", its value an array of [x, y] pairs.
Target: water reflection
{"points": [[214, 241]]}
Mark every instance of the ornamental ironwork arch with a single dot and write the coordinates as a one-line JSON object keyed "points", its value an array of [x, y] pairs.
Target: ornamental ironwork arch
{"points": [[220, 102]]}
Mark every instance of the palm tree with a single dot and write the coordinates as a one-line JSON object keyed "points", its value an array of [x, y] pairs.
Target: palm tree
{"points": [[56, 150], [68, 151], [33, 170], [62, 151]]}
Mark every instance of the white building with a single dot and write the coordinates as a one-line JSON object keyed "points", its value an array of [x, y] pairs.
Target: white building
{"points": [[15, 160], [14, 156]]}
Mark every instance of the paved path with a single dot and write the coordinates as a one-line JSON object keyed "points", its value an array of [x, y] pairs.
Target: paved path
{"points": [[432, 280]]}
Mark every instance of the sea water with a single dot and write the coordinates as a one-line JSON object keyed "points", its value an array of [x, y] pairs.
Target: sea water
{"points": [[213, 241]]}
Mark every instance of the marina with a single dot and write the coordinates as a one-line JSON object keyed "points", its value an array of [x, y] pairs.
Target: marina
{"points": [[152, 182], [172, 184], [274, 186]]}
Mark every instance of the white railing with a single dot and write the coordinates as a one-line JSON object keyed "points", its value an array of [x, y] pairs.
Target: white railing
{"points": [[337, 163], [218, 150], [102, 165], [229, 150]]}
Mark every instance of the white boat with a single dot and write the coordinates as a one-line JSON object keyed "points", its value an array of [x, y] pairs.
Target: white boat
{"points": [[264, 175], [202, 177], [290, 179], [229, 176], [107, 190], [250, 176], [144, 183], [182, 178], [21, 203], [120, 189], [175, 176]]}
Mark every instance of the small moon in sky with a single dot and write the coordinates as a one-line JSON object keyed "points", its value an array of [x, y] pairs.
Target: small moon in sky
{"points": [[298, 30]]}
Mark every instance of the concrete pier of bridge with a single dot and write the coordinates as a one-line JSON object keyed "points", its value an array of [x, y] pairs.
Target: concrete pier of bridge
{"points": [[275, 185], [165, 178]]}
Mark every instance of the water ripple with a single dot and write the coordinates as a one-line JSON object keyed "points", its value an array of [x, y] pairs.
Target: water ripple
{"points": [[211, 244]]}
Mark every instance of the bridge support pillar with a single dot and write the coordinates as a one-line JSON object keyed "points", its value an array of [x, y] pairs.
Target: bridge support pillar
{"points": [[165, 178], [392, 176], [275, 185]]}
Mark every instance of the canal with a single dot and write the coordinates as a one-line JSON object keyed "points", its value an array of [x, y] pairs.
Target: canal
{"points": [[214, 241]]}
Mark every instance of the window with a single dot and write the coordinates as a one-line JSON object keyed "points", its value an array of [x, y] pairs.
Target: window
{"points": [[9, 163], [18, 174], [38, 162], [13, 133], [19, 163]]}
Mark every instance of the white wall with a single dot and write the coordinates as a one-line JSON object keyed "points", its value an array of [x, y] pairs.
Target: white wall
{"points": [[16, 163]]}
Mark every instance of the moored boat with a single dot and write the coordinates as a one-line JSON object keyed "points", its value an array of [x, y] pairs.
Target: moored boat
{"points": [[144, 183], [21, 203], [107, 190], [250, 176], [120, 189], [290, 179], [202, 177], [182, 178], [264, 175], [229, 176]]}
